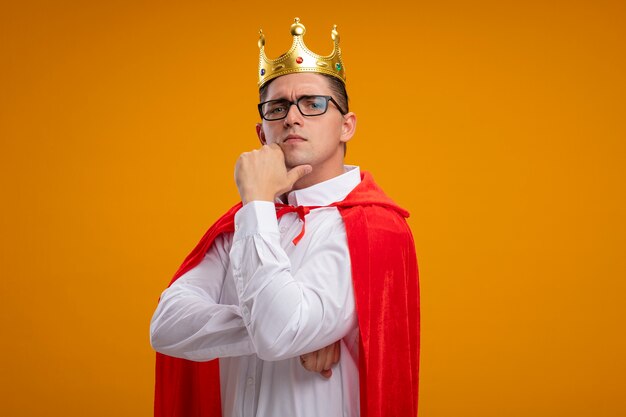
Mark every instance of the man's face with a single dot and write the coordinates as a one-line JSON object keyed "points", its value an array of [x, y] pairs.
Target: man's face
{"points": [[314, 140]]}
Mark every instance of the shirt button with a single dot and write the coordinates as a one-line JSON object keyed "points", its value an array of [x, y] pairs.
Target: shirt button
{"points": [[250, 381], [283, 229], [236, 227]]}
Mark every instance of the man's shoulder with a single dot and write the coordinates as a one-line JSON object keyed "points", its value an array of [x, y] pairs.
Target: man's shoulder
{"points": [[378, 223], [368, 194]]}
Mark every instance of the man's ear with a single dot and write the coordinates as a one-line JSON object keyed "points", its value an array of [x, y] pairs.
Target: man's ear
{"points": [[348, 127], [260, 133]]}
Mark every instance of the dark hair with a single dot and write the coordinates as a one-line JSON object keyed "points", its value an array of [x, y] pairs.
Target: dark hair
{"points": [[336, 85]]}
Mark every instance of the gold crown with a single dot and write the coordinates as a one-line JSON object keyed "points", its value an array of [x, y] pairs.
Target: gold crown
{"points": [[299, 58]]}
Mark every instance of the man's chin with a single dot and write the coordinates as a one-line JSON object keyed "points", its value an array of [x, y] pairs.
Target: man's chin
{"points": [[292, 161]]}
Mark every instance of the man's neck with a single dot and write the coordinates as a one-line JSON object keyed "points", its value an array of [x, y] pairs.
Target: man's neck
{"points": [[317, 176]]}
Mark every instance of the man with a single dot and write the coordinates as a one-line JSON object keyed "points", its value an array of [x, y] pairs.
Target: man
{"points": [[274, 300]]}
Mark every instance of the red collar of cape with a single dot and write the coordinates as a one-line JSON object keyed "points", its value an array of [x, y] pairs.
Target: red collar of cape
{"points": [[385, 280]]}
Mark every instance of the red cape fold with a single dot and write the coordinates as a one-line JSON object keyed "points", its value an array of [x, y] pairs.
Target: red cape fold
{"points": [[386, 290]]}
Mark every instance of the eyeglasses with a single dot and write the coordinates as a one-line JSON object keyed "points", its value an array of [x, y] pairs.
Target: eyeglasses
{"points": [[307, 105]]}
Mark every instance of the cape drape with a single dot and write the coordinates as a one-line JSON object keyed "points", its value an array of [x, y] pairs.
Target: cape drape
{"points": [[386, 290]]}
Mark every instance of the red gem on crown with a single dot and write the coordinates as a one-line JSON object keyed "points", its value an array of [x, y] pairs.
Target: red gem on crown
{"points": [[299, 60]]}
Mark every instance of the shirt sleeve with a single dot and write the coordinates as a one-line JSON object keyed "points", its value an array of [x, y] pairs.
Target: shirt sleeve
{"points": [[190, 323], [286, 313]]}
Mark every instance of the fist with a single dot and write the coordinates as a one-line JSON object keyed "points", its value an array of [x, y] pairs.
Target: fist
{"points": [[321, 360], [262, 175]]}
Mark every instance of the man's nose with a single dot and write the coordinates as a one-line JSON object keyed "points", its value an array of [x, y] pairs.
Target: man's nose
{"points": [[293, 115]]}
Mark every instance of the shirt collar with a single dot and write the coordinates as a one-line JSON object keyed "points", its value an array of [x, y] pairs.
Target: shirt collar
{"points": [[329, 191]]}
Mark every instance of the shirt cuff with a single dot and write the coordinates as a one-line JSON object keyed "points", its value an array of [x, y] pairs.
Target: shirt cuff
{"points": [[256, 217]]}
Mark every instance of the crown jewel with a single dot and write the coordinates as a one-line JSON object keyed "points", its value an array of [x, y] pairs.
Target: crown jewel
{"points": [[299, 58]]}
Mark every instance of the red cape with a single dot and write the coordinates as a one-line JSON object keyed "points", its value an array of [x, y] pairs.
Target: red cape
{"points": [[385, 280]]}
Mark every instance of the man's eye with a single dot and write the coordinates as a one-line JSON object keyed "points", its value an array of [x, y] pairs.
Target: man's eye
{"points": [[314, 104], [277, 109]]}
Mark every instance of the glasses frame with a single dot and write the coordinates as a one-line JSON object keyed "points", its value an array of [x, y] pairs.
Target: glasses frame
{"points": [[291, 103]]}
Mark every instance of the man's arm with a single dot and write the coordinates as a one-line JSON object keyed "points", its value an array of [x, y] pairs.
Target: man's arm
{"points": [[289, 313], [188, 320], [286, 315], [190, 323]]}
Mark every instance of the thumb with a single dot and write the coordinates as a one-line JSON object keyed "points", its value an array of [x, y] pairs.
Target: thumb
{"points": [[298, 172]]}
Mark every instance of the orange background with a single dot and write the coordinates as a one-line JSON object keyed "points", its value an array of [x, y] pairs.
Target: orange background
{"points": [[499, 125]]}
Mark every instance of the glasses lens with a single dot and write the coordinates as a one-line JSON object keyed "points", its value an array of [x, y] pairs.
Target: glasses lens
{"points": [[275, 109], [312, 105], [308, 106]]}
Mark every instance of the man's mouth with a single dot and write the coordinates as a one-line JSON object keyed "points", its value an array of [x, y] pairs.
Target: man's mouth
{"points": [[294, 139]]}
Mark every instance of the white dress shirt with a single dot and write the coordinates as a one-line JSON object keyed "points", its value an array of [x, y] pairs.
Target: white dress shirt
{"points": [[258, 302]]}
